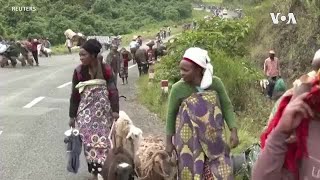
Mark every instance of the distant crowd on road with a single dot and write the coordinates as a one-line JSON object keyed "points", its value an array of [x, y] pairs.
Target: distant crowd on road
{"points": [[25, 51], [222, 11]]}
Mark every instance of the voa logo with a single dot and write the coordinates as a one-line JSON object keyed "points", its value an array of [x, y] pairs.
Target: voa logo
{"points": [[289, 18]]}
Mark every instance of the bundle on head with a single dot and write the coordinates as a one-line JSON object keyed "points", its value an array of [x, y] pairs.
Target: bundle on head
{"points": [[127, 135], [153, 162], [119, 165]]}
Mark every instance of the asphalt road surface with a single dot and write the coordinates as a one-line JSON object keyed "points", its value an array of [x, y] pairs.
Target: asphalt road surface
{"points": [[34, 104]]}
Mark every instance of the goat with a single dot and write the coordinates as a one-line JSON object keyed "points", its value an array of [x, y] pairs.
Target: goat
{"points": [[264, 83], [119, 165]]}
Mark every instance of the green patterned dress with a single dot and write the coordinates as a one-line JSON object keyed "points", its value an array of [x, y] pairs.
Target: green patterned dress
{"points": [[199, 139]]}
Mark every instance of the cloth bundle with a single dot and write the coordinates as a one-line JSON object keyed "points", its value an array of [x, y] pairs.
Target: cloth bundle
{"points": [[74, 147]]}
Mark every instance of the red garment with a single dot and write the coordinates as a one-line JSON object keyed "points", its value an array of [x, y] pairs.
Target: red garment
{"points": [[34, 46], [125, 63], [151, 54], [125, 60], [298, 150]]}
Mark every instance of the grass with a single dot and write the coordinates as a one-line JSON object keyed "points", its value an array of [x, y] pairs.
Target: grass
{"points": [[147, 32], [151, 96], [150, 31], [213, 1], [61, 49]]}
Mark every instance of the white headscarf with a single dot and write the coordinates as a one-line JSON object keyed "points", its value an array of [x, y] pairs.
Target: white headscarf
{"points": [[201, 58], [317, 56]]}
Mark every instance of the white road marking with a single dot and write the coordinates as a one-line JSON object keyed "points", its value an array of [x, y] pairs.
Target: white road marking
{"points": [[64, 85], [1, 132], [132, 66], [35, 101]]}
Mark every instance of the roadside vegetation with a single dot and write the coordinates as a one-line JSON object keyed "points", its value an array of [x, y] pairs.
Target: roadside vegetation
{"points": [[102, 17], [147, 31], [226, 44], [295, 45]]}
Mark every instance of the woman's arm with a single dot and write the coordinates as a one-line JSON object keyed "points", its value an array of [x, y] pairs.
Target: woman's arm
{"points": [[226, 105], [271, 159], [112, 89], [75, 97], [173, 108]]}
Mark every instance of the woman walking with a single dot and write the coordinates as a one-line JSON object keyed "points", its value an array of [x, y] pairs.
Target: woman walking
{"points": [[34, 49], [94, 104], [126, 57], [198, 105]]}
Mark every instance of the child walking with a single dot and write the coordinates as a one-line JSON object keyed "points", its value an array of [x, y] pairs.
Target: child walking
{"points": [[126, 57]]}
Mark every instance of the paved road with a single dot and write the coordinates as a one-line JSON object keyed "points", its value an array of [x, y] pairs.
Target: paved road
{"points": [[34, 104], [231, 14]]}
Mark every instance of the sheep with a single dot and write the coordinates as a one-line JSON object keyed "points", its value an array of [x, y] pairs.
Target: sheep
{"points": [[119, 165], [126, 134], [153, 162]]}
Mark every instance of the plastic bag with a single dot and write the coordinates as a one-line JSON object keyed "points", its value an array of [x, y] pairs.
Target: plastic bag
{"points": [[3, 48], [280, 86]]}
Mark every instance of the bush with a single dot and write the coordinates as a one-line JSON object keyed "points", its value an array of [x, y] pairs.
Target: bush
{"points": [[52, 18], [224, 42]]}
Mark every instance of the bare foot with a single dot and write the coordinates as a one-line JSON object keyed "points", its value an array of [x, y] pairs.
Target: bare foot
{"points": [[93, 177]]}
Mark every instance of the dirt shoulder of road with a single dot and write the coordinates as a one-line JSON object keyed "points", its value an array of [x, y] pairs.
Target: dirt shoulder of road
{"points": [[149, 122]]}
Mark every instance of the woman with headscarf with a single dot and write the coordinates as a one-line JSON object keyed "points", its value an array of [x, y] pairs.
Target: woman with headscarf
{"points": [[198, 106], [124, 65], [94, 104]]}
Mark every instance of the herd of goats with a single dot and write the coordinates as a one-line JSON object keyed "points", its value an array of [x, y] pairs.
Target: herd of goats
{"points": [[134, 155], [145, 158]]}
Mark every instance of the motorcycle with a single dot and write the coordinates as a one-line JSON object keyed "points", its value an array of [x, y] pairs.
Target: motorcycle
{"points": [[243, 162]]}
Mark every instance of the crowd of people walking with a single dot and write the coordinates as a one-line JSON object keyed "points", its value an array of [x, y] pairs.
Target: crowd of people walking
{"points": [[26, 51], [198, 106]]}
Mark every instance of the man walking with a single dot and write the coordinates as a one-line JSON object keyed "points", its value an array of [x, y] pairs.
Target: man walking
{"points": [[69, 44], [114, 60], [272, 71]]}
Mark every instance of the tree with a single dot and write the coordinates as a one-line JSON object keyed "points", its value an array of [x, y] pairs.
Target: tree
{"points": [[87, 16], [101, 7], [171, 13]]}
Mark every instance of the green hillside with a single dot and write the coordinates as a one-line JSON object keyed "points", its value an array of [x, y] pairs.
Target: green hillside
{"points": [[295, 44], [104, 17]]}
